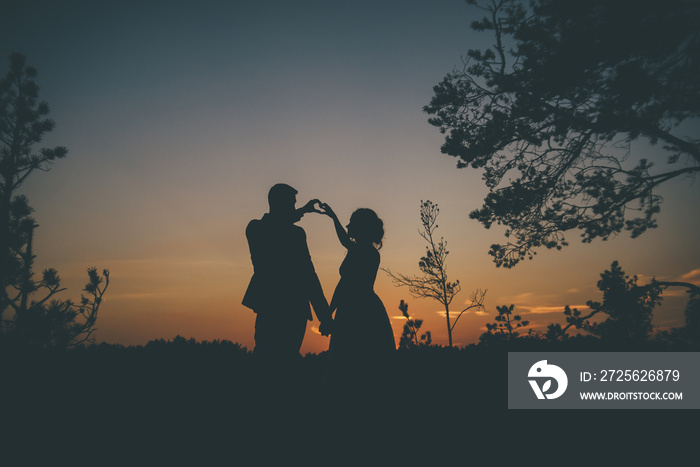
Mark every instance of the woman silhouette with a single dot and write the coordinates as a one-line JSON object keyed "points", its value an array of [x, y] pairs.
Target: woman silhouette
{"points": [[361, 331]]}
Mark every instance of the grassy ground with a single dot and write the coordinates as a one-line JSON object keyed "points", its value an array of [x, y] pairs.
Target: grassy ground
{"points": [[213, 404]]}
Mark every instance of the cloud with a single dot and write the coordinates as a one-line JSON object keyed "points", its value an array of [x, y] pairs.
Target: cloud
{"points": [[540, 309], [532, 303], [455, 314], [522, 297], [643, 279], [691, 276], [676, 292], [526, 297]]}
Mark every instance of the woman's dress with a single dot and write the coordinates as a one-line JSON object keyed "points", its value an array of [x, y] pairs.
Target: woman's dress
{"points": [[361, 327]]}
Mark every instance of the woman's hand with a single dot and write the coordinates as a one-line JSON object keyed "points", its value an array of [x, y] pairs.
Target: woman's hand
{"points": [[339, 229], [327, 210]]}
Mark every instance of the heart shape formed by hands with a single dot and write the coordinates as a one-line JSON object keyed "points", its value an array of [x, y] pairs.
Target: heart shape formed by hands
{"points": [[315, 205], [318, 207]]}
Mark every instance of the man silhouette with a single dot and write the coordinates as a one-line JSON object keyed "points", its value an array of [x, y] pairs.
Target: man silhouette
{"points": [[284, 280]]}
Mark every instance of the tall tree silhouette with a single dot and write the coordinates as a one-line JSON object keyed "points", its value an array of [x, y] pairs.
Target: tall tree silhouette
{"points": [[629, 308], [433, 281], [43, 321], [551, 112]]}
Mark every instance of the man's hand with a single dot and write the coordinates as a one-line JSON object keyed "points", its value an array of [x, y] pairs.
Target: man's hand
{"points": [[326, 327], [312, 206]]}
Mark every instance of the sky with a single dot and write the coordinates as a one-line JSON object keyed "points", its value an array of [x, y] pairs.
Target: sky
{"points": [[179, 116]]}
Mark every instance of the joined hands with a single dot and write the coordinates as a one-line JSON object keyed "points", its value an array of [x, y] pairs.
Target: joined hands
{"points": [[326, 327], [313, 205], [317, 206]]}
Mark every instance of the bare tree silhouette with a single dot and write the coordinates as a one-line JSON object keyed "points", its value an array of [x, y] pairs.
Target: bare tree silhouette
{"points": [[433, 282]]}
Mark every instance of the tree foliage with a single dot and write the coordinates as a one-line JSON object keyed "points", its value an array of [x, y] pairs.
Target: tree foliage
{"points": [[410, 335], [433, 281], [505, 325], [629, 308], [29, 310], [551, 112]]}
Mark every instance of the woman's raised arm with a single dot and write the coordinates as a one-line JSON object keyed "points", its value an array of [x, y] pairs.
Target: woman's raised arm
{"points": [[339, 229]]}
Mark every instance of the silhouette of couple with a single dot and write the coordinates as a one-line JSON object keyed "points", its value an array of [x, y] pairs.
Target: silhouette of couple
{"points": [[284, 283]]}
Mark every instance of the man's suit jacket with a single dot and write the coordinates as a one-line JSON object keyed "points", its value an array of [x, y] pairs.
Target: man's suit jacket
{"points": [[284, 279]]}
